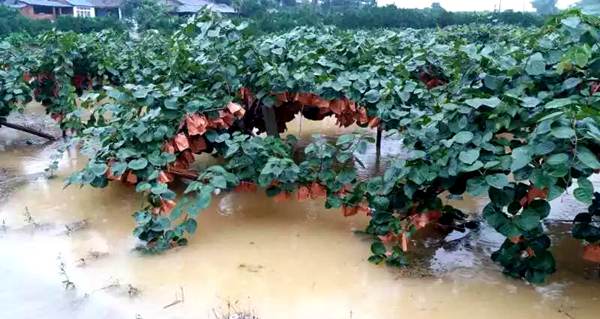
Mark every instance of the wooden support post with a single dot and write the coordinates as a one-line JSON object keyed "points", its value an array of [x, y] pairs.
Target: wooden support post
{"points": [[270, 119], [27, 130], [378, 142]]}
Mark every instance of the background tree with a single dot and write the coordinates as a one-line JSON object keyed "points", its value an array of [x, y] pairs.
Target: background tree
{"points": [[545, 7], [149, 14], [253, 8], [590, 6], [289, 3]]}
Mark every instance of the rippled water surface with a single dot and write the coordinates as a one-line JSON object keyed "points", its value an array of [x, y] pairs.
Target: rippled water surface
{"points": [[250, 254]]}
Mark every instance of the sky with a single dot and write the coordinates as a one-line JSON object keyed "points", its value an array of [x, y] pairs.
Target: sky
{"points": [[472, 5]]}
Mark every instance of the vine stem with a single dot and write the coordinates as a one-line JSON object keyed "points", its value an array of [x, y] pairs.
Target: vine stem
{"points": [[573, 151]]}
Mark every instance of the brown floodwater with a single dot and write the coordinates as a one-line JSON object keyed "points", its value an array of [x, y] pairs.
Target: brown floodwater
{"points": [[250, 254]]}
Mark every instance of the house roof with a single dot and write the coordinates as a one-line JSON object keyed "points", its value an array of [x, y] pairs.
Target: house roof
{"points": [[106, 3], [179, 6], [12, 4], [192, 6], [46, 3], [80, 3]]}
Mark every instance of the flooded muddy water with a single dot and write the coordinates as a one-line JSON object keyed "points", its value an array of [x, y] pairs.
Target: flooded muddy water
{"points": [[252, 255]]}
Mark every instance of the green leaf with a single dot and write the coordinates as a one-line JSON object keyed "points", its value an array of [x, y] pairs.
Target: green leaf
{"points": [[559, 103], [552, 115], [159, 189], [585, 191], [587, 157], [527, 221], [141, 93], [520, 158], [463, 137], [557, 159], [499, 221], [202, 201], [346, 176], [501, 197], [469, 157], [536, 64], [190, 225], [492, 102], [563, 132], [171, 103], [544, 148], [141, 187], [118, 168], [530, 102], [376, 259], [156, 159], [345, 139], [142, 217], [125, 153], [493, 82], [138, 164], [380, 202], [219, 182], [372, 96], [538, 207], [161, 223], [377, 248], [570, 83], [477, 186], [98, 168], [497, 180]]}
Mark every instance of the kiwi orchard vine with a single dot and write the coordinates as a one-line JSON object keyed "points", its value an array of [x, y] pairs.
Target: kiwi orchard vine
{"points": [[504, 112]]}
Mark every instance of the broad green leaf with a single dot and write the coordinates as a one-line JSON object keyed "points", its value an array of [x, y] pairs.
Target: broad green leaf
{"points": [[563, 132], [588, 158], [477, 102], [585, 191], [141, 187], [138, 164], [536, 65], [142, 217], [345, 139], [219, 182], [538, 207], [372, 96], [477, 186], [190, 225], [552, 115], [527, 221], [377, 248], [559, 103], [544, 148], [463, 137], [161, 223], [202, 201], [520, 158], [469, 157], [497, 180], [557, 159], [530, 102], [571, 83], [98, 168]]}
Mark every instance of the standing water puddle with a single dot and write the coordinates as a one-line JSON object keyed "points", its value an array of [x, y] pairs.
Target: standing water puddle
{"points": [[250, 254]]}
